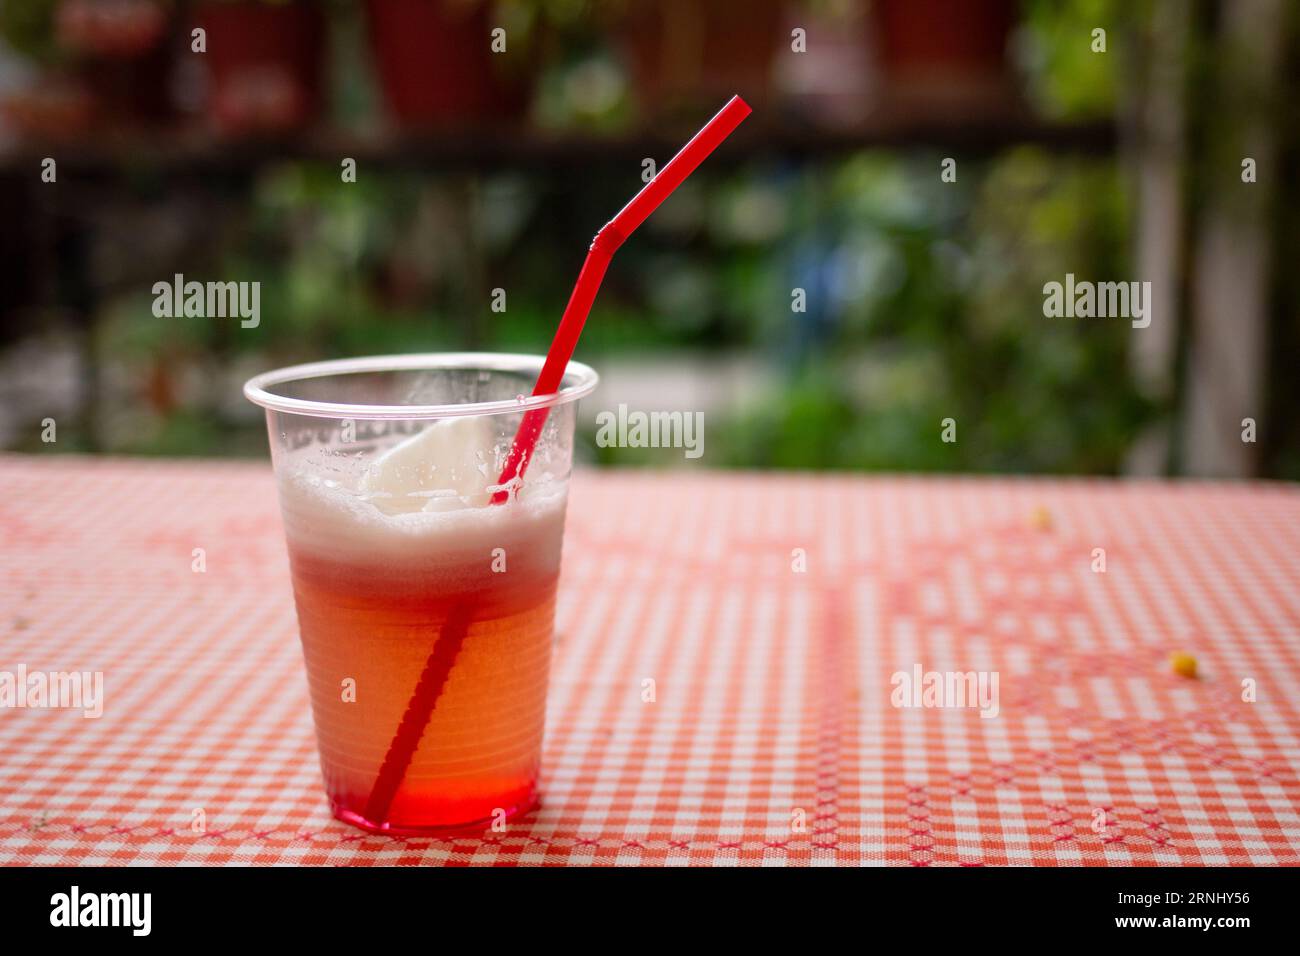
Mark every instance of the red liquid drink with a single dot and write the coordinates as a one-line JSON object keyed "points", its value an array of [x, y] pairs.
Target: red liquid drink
{"points": [[373, 592]]}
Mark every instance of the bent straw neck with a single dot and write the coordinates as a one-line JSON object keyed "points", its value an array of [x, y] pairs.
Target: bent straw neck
{"points": [[607, 240]]}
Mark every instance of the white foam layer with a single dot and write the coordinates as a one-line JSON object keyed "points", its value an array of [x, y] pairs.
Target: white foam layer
{"points": [[330, 520]]}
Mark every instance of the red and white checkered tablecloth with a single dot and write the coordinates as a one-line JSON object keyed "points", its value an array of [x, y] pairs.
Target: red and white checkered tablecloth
{"points": [[773, 685]]}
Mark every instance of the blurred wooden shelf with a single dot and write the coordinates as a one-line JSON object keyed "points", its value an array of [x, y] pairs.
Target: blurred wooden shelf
{"points": [[202, 153]]}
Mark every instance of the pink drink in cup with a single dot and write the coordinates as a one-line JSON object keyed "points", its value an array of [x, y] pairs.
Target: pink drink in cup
{"points": [[386, 470]]}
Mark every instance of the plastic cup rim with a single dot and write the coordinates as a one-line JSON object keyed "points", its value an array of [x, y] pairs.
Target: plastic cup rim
{"points": [[579, 380]]}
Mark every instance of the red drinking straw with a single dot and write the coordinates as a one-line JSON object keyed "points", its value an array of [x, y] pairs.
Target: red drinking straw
{"points": [[612, 235], [607, 241]]}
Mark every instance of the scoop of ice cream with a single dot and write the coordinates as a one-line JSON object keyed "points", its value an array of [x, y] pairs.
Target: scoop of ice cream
{"points": [[444, 467]]}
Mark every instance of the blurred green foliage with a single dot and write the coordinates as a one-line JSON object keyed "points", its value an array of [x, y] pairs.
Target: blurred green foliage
{"points": [[924, 299], [1066, 78], [946, 321]]}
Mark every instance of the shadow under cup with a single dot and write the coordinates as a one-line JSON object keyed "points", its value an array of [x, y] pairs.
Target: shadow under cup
{"points": [[426, 610]]}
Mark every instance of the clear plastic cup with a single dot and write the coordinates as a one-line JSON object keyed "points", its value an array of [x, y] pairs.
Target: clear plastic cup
{"points": [[386, 469]]}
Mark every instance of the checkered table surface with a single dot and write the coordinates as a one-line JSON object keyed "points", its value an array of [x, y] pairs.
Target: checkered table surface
{"points": [[772, 738]]}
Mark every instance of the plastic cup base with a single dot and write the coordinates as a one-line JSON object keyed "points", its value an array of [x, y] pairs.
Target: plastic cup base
{"points": [[453, 829]]}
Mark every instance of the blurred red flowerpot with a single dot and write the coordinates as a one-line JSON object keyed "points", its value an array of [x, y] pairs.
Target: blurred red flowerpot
{"points": [[686, 53], [110, 28], [436, 65], [945, 51], [266, 62]]}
